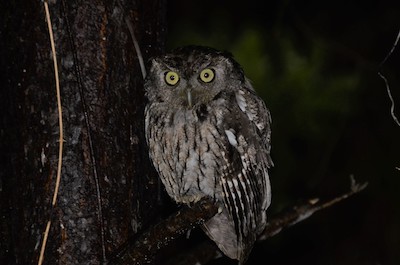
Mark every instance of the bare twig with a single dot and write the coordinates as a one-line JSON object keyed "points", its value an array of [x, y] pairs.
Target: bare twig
{"points": [[385, 80], [61, 139], [391, 50], [137, 47], [390, 97], [304, 210]]}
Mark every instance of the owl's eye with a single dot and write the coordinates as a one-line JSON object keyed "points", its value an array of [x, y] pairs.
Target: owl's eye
{"points": [[207, 75], [171, 78]]}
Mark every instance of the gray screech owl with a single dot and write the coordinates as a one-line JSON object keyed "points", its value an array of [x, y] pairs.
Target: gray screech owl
{"points": [[209, 134]]}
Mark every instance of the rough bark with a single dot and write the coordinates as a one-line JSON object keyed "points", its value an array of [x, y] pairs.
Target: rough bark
{"points": [[108, 190]]}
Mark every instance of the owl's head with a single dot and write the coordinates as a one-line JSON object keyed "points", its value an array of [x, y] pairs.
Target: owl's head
{"points": [[192, 75]]}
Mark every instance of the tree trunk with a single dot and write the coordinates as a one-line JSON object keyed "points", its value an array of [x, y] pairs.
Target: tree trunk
{"points": [[108, 190]]}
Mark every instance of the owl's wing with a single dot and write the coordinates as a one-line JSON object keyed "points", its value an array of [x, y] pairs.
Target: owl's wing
{"points": [[254, 108], [244, 179]]}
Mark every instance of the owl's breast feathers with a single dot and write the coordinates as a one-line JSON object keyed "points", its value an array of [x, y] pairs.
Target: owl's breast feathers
{"points": [[219, 150]]}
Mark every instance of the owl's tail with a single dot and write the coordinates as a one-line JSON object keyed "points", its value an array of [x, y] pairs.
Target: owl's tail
{"points": [[221, 230]]}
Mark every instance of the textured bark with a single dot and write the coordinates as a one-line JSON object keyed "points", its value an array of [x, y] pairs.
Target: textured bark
{"points": [[108, 190]]}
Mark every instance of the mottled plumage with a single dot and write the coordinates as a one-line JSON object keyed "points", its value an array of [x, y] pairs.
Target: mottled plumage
{"points": [[209, 134]]}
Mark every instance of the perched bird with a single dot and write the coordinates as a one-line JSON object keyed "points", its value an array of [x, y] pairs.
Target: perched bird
{"points": [[209, 135]]}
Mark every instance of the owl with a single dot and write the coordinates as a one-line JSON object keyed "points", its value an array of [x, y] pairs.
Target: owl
{"points": [[209, 135]]}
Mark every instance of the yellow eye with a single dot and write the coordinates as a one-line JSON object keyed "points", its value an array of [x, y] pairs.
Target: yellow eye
{"points": [[171, 78], [207, 75]]}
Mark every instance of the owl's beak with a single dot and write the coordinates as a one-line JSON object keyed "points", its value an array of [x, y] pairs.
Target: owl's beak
{"points": [[189, 97]]}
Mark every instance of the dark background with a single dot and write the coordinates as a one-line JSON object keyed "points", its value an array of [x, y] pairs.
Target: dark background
{"points": [[316, 65]]}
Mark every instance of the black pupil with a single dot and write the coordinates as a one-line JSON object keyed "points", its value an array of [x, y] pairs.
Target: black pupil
{"points": [[206, 75], [172, 77]]}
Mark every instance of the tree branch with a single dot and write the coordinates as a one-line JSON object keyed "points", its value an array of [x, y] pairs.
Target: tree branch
{"points": [[207, 251], [304, 210], [143, 249]]}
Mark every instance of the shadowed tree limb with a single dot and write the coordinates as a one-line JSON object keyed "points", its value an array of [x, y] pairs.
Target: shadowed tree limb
{"points": [[143, 249], [304, 210]]}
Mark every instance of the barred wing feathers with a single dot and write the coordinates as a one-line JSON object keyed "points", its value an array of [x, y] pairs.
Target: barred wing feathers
{"points": [[244, 181]]}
